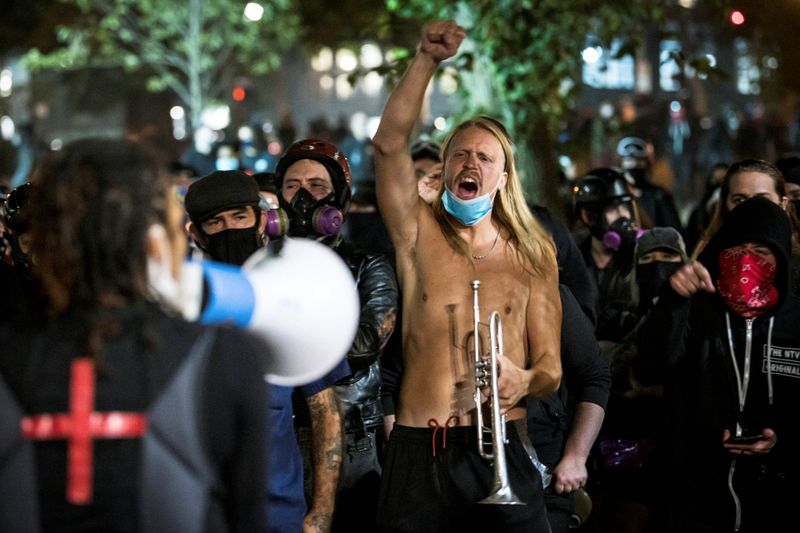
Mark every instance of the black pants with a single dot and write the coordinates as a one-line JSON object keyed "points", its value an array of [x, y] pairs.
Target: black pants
{"points": [[359, 483], [432, 481]]}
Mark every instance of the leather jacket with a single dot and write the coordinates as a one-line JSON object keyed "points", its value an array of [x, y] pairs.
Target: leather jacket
{"points": [[359, 392], [378, 294]]}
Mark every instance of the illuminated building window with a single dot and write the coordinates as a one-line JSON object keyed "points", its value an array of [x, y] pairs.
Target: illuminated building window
{"points": [[669, 70], [748, 75], [604, 71]]}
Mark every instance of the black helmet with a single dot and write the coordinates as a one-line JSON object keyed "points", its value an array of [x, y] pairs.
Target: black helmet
{"points": [[16, 208], [601, 186]]}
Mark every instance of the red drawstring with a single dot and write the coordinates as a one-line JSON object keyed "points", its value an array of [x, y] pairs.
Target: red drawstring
{"points": [[433, 423]]}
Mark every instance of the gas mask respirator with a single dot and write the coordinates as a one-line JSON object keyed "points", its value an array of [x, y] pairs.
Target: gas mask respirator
{"points": [[620, 236], [306, 217]]}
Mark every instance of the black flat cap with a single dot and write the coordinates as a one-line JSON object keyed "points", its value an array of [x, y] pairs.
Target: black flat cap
{"points": [[219, 191]]}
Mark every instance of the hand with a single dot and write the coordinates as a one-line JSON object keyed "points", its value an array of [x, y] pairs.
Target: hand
{"points": [[316, 523], [569, 474], [690, 279], [513, 383], [430, 184], [441, 39], [759, 447]]}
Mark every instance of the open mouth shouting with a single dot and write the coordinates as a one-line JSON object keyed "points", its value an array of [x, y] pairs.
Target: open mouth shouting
{"points": [[467, 188]]}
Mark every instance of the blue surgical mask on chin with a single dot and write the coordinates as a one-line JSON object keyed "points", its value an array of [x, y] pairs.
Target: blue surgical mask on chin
{"points": [[468, 212]]}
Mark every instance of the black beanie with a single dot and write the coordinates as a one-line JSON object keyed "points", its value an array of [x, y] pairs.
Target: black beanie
{"points": [[219, 191]]}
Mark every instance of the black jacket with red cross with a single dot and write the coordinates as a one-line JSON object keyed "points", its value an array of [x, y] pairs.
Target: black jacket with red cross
{"points": [[165, 432]]}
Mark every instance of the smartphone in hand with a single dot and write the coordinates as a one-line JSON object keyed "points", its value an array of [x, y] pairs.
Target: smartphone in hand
{"points": [[745, 440]]}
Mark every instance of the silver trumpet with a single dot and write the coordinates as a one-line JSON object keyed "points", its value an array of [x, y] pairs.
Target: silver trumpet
{"points": [[486, 374]]}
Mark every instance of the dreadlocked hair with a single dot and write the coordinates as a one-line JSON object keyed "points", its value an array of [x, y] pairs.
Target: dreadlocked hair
{"points": [[94, 201], [533, 244]]}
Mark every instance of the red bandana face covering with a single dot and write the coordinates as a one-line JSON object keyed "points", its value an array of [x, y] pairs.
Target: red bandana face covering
{"points": [[746, 282]]}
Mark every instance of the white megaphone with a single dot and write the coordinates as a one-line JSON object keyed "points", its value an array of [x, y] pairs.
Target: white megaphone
{"points": [[299, 298]]}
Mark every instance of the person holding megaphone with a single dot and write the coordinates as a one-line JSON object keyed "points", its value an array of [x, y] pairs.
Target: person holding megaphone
{"points": [[117, 413]]}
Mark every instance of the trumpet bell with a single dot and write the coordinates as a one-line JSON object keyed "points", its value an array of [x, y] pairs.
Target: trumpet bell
{"points": [[502, 496]]}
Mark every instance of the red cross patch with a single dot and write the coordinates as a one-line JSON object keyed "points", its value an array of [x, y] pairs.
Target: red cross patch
{"points": [[80, 426]]}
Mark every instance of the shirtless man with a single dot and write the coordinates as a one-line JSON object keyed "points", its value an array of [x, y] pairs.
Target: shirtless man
{"points": [[478, 228]]}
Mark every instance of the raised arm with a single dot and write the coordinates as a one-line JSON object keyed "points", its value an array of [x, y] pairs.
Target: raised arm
{"points": [[396, 184]]}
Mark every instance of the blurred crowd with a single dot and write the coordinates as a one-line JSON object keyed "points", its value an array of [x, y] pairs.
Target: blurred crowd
{"points": [[679, 345]]}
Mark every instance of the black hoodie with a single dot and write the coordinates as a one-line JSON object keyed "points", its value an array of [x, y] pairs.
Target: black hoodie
{"points": [[689, 343], [756, 220]]}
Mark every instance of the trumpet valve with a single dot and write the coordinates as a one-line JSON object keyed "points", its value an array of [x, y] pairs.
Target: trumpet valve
{"points": [[481, 375]]}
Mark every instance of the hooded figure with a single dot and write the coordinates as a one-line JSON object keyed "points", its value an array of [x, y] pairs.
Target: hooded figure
{"points": [[658, 254], [731, 357]]}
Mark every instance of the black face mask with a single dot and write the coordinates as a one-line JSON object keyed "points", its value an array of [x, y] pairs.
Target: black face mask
{"points": [[312, 218], [651, 277], [233, 246]]}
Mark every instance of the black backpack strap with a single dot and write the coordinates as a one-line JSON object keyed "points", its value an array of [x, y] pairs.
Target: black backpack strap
{"points": [[176, 474]]}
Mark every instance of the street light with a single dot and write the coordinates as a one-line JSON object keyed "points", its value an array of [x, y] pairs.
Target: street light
{"points": [[7, 127], [591, 54], [6, 82], [253, 12]]}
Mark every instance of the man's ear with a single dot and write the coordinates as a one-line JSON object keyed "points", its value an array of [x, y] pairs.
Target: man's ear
{"points": [[784, 203], [504, 177], [196, 234]]}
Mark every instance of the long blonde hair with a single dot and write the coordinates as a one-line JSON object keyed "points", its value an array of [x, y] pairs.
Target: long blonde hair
{"points": [[533, 244]]}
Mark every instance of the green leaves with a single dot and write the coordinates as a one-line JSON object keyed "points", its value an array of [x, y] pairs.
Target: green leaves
{"points": [[179, 40], [522, 58]]}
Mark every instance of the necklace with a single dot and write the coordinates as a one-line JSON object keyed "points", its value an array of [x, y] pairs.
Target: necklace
{"points": [[487, 254]]}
